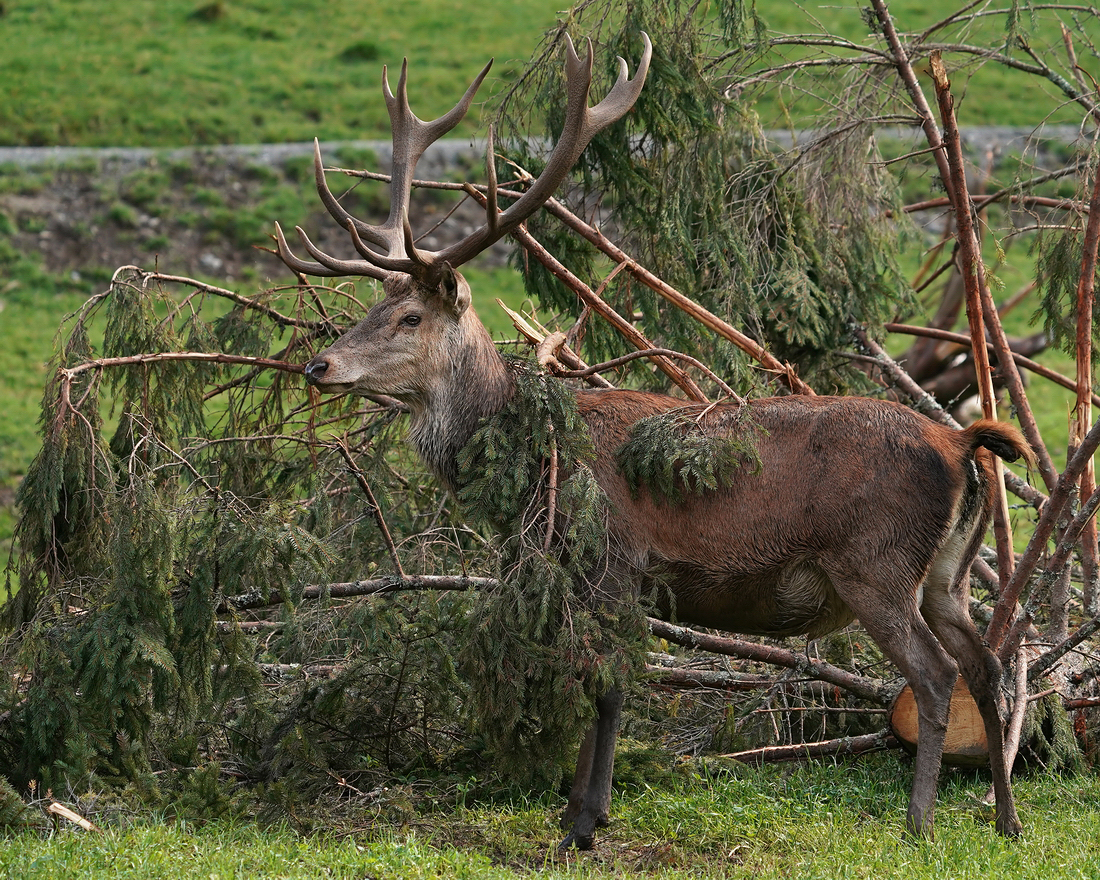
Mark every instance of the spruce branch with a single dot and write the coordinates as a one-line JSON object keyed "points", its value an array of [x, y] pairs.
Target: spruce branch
{"points": [[1052, 570], [908, 76], [372, 503], [978, 304], [614, 363], [147, 278], [1050, 515], [965, 339], [835, 748], [1082, 415], [536, 335], [1016, 720], [589, 297], [551, 495], [600, 307], [69, 373], [783, 372], [1050, 657]]}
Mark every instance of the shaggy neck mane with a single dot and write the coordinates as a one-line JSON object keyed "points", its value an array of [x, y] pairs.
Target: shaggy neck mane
{"points": [[478, 385]]}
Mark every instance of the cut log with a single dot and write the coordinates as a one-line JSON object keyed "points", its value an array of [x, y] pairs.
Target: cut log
{"points": [[965, 745]]}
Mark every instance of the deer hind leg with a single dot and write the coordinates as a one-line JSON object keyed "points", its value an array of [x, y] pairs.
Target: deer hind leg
{"points": [[590, 797], [949, 618], [904, 636]]}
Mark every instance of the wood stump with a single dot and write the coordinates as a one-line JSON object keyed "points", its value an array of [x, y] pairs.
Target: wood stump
{"points": [[965, 745]]}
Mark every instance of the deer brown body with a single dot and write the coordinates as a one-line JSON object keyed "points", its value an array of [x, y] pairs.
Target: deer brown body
{"points": [[859, 508]]}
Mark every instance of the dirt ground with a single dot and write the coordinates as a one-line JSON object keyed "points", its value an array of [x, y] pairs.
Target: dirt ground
{"points": [[206, 213]]}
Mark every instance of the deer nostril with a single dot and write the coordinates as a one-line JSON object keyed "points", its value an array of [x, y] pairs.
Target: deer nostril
{"points": [[315, 371]]}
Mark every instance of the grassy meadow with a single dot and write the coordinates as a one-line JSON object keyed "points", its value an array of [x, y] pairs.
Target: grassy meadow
{"points": [[815, 821], [189, 72], [179, 72]]}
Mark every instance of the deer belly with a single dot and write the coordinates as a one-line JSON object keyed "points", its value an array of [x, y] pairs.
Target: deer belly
{"points": [[793, 598]]}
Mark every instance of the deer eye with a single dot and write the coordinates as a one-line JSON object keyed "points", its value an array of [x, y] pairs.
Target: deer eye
{"points": [[411, 320]]}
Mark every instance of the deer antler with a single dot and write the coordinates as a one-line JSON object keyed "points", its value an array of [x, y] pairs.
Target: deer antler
{"points": [[412, 136]]}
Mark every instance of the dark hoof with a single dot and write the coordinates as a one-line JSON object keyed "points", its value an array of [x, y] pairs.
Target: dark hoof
{"points": [[577, 841], [1010, 827]]}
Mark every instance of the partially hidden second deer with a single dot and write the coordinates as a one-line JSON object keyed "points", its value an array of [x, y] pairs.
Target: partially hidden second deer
{"points": [[856, 508]]}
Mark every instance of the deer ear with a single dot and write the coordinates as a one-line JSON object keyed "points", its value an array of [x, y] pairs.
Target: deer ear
{"points": [[454, 290]]}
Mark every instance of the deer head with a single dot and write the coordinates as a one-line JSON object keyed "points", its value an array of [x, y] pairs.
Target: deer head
{"points": [[410, 336]]}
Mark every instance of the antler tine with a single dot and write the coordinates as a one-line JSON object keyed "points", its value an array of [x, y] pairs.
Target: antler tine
{"points": [[582, 123], [431, 131], [327, 267], [421, 259], [492, 210], [335, 209], [624, 93], [342, 267], [412, 136], [293, 261]]}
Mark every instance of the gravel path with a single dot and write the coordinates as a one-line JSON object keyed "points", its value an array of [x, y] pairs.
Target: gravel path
{"points": [[446, 152], [443, 153]]}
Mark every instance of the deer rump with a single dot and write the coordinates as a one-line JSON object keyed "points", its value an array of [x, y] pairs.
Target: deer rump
{"points": [[854, 508]]}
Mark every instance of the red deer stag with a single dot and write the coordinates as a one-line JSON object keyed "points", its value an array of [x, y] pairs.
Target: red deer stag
{"points": [[859, 507]]}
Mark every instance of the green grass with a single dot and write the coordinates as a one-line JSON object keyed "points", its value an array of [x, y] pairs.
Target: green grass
{"points": [[178, 72], [809, 821]]}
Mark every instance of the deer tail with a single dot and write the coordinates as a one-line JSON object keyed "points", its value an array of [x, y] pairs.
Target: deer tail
{"points": [[1002, 439]]}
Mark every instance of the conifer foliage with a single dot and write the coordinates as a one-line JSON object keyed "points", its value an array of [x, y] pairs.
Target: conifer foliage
{"points": [[159, 623], [546, 641], [668, 454]]}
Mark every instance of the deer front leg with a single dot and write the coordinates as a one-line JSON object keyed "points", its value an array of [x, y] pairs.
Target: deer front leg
{"points": [[581, 777], [590, 797]]}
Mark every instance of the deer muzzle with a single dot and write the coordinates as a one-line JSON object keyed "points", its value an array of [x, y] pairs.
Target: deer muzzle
{"points": [[315, 370]]}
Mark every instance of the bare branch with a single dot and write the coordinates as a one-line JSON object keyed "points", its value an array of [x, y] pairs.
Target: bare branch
{"points": [[785, 372], [964, 339], [371, 587], [868, 689], [249, 303], [624, 327], [69, 373], [846, 745], [1050, 515]]}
